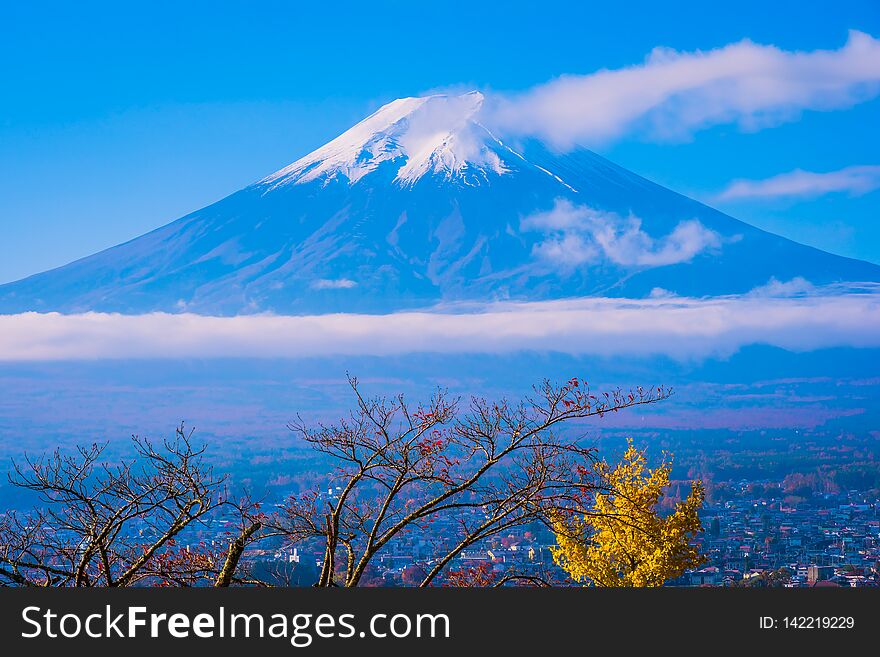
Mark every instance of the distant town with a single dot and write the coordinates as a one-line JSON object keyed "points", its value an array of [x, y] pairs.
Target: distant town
{"points": [[831, 539], [799, 528], [754, 539]]}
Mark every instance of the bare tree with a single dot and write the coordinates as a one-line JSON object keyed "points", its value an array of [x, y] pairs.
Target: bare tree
{"points": [[471, 475], [118, 525]]}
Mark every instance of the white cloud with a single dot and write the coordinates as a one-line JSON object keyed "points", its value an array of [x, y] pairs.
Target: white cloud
{"points": [[661, 293], [566, 250], [632, 246], [798, 183], [577, 234], [682, 328], [333, 284], [776, 288], [674, 94]]}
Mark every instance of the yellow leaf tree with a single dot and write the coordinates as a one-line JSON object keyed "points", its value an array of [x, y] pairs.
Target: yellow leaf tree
{"points": [[624, 540]]}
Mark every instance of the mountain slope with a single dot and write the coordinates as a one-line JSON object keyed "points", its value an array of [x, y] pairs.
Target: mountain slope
{"points": [[419, 204]]}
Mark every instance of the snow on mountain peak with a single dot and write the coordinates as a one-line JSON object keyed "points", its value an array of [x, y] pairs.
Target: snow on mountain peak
{"points": [[436, 134]]}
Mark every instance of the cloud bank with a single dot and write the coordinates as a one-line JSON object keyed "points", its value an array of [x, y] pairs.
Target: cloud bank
{"points": [[674, 94], [798, 183], [576, 234], [682, 328]]}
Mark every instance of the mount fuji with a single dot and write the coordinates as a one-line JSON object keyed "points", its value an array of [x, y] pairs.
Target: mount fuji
{"points": [[421, 204]]}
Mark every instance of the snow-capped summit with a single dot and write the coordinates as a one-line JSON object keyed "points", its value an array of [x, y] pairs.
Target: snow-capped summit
{"points": [[438, 134]]}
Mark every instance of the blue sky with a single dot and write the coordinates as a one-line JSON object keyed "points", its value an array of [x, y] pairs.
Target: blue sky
{"points": [[115, 120]]}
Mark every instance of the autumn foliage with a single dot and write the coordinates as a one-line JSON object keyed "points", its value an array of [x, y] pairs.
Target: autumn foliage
{"points": [[622, 540]]}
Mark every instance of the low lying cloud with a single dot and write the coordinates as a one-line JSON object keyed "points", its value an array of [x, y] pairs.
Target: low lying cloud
{"points": [[683, 328], [577, 234], [333, 284], [797, 286], [798, 183], [674, 94]]}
